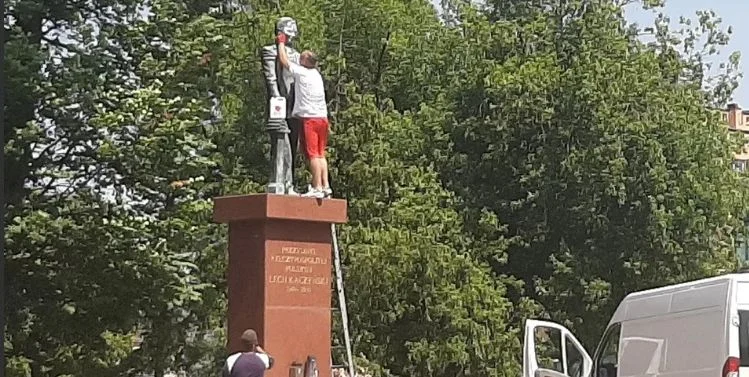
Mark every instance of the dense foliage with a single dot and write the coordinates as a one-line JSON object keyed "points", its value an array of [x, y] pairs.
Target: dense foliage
{"points": [[503, 160]]}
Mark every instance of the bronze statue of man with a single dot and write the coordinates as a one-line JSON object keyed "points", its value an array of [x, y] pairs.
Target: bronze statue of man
{"points": [[282, 129]]}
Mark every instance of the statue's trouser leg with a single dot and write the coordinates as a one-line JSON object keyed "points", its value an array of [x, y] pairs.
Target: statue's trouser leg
{"points": [[287, 165], [294, 140], [278, 151]]}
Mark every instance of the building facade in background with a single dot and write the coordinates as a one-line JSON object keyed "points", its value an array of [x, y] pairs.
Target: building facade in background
{"points": [[737, 120]]}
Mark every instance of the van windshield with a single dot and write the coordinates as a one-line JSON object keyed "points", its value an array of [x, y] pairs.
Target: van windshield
{"points": [[744, 337]]}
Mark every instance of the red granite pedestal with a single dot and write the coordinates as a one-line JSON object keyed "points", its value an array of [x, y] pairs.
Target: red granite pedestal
{"points": [[280, 274]]}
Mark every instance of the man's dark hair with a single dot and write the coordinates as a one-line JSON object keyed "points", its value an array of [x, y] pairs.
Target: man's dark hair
{"points": [[249, 339], [311, 57]]}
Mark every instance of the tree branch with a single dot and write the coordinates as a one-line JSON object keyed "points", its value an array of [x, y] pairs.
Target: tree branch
{"points": [[380, 64]]}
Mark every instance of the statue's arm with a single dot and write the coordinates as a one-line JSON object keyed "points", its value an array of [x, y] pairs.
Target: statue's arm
{"points": [[268, 57]]}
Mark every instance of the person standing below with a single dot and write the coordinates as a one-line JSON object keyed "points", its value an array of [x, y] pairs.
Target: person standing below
{"points": [[252, 362], [312, 109]]}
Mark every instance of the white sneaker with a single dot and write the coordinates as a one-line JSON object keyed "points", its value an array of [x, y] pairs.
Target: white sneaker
{"points": [[291, 191], [309, 194], [328, 191], [314, 193]]}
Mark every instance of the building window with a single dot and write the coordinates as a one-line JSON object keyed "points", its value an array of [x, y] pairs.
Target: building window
{"points": [[739, 165]]}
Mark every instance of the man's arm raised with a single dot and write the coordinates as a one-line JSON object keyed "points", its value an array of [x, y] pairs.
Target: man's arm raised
{"points": [[283, 57], [267, 358]]}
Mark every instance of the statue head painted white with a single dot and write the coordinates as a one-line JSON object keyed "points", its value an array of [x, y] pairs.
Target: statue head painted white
{"points": [[287, 25]]}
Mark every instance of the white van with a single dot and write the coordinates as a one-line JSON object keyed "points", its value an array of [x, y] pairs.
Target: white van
{"points": [[695, 329]]}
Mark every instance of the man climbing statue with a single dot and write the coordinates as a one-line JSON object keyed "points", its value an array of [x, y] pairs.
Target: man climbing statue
{"points": [[311, 110]]}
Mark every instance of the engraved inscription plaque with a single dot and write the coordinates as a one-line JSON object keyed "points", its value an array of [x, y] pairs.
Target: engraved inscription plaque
{"points": [[298, 274], [303, 270]]}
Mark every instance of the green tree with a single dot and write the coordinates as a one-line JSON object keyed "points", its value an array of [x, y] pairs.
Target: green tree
{"points": [[112, 177], [422, 305], [601, 155], [495, 157]]}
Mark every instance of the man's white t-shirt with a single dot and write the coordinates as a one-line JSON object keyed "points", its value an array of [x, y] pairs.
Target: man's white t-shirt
{"points": [[309, 93]]}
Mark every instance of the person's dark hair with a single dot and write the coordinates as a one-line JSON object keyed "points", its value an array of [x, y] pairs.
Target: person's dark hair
{"points": [[249, 339], [310, 57]]}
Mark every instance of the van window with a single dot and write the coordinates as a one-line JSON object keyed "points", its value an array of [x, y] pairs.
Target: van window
{"points": [[549, 348], [744, 337], [558, 352], [574, 358], [606, 363]]}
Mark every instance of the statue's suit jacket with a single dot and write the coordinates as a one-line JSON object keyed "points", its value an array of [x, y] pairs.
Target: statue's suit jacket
{"points": [[279, 81]]}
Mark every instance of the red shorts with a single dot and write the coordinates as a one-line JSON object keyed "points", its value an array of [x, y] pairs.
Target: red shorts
{"points": [[315, 136]]}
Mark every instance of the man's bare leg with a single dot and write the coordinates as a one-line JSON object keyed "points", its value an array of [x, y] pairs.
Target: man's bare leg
{"points": [[316, 189], [324, 173], [316, 168]]}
